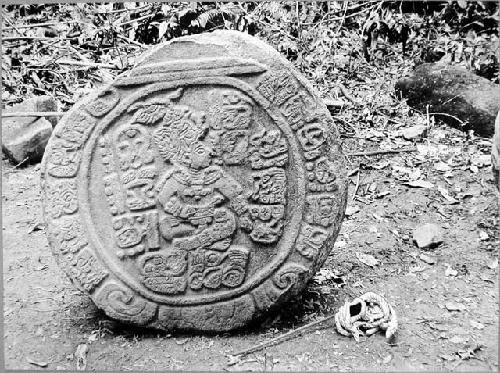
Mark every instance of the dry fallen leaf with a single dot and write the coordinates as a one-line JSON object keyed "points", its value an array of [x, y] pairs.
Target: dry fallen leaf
{"points": [[476, 325], [81, 356], [419, 184], [367, 259], [493, 264]]}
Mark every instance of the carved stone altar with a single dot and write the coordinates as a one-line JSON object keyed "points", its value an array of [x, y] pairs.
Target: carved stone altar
{"points": [[198, 190]]}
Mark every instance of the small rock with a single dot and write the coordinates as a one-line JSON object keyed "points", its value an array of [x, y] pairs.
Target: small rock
{"points": [[483, 236], [367, 259], [81, 356], [427, 236], [476, 325], [41, 364], [456, 339], [419, 184], [481, 160], [450, 272], [453, 306], [351, 210], [442, 167], [414, 132], [427, 259], [493, 264], [25, 138]]}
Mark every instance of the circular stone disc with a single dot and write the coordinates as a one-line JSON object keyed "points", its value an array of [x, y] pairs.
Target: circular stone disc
{"points": [[198, 190]]}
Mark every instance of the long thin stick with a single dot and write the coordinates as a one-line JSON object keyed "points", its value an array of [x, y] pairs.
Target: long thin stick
{"points": [[79, 63], [87, 64], [14, 38], [32, 114], [31, 25], [136, 20], [282, 337], [389, 151], [136, 10], [462, 123]]}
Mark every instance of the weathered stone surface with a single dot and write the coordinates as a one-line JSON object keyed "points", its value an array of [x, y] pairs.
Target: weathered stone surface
{"points": [[454, 91], [427, 236], [26, 137], [199, 190], [414, 132], [495, 152]]}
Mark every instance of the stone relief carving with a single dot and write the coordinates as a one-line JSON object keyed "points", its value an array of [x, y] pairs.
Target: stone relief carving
{"points": [[198, 199]]}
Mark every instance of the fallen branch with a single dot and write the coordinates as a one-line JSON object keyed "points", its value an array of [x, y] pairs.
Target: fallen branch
{"points": [[32, 114], [31, 25], [462, 123], [78, 63], [131, 41], [136, 20], [376, 152], [282, 337], [135, 10], [15, 38], [346, 94]]}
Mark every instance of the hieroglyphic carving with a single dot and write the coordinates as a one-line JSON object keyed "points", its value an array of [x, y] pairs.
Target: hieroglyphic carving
{"points": [[136, 233], [65, 157], [165, 273], [69, 244], [200, 202], [283, 90], [104, 102], [86, 269], [213, 269], [219, 316], [310, 240], [68, 236], [129, 186], [62, 198], [266, 223], [77, 128], [138, 173], [269, 186], [320, 176], [312, 138], [119, 302], [267, 149], [277, 87], [229, 119], [321, 209]]}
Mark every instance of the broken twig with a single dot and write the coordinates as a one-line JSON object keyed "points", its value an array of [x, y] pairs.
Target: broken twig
{"points": [[376, 152], [282, 337]]}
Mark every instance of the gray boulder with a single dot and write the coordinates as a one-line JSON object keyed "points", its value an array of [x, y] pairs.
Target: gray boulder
{"points": [[467, 101], [25, 138]]}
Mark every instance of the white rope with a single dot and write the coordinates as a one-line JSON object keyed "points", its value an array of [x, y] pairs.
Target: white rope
{"points": [[371, 314]]}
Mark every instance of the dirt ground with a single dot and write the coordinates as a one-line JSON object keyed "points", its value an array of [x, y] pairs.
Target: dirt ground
{"points": [[446, 300]]}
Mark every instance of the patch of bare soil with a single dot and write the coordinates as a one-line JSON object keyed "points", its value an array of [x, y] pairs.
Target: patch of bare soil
{"points": [[446, 298]]}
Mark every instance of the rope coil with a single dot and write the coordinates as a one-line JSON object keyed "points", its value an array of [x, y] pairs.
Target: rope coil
{"points": [[366, 315]]}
